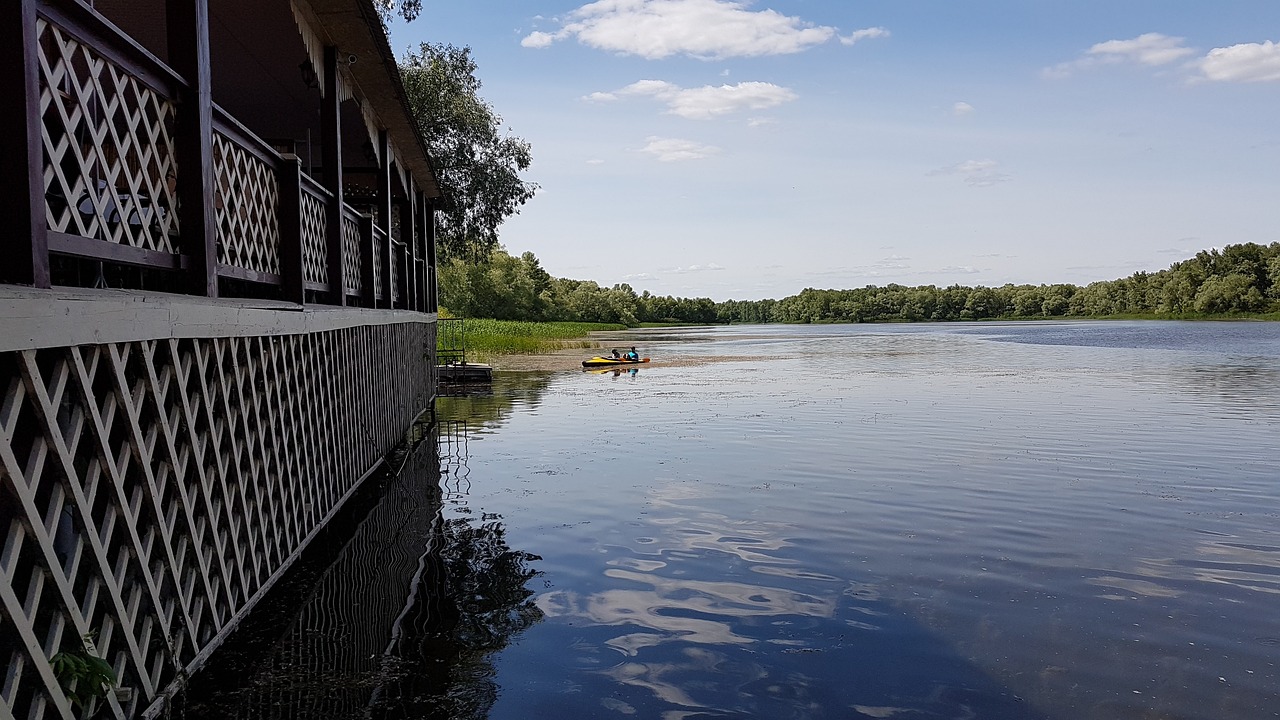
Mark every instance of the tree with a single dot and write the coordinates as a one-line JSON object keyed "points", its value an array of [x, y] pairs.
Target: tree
{"points": [[477, 167], [407, 9]]}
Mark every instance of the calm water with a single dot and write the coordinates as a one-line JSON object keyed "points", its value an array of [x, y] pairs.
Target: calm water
{"points": [[1031, 520]]}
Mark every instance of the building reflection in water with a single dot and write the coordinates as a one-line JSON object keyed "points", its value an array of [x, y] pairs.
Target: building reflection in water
{"points": [[398, 616]]}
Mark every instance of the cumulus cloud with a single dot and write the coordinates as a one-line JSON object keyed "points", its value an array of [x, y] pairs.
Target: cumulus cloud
{"points": [[675, 150], [864, 34], [1247, 62], [1149, 49], [705, 102], [961, 109], [703, 29], [977, 173]]}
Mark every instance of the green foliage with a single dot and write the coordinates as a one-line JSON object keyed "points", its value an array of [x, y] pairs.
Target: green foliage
{"points": [[407, 9], [84, 677], [478, 168], [1239, 279], [504, 287], [486, 338], [1236, 280]]}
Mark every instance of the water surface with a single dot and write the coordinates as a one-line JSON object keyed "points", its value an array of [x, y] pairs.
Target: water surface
{"points": [[1032, 520]]}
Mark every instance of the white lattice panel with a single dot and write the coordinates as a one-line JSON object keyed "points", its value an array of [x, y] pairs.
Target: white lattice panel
{"points": [[109, 168], [248, 202], [315, 262], [351, 254], [152, 489]]}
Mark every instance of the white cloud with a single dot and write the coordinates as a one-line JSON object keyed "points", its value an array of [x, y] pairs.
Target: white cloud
{"points": [[961, 109], [538, 39], [695, 268], [977, 173], [1150, 49], [756, 122], [675, 150], [1247, 62], [705, 102], [595, 161], [864, 34], [704, 29]]}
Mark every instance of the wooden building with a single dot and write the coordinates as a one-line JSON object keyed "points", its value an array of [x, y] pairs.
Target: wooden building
{"points": [[217, 276]]}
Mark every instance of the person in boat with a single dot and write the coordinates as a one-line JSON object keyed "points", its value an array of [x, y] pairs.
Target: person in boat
{"points": [[632, 354], [616, 356]]}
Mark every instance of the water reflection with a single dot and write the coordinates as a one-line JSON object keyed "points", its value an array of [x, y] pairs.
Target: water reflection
{"points": [[614, 373], [403, 621], [708, 615], [490, 406]]}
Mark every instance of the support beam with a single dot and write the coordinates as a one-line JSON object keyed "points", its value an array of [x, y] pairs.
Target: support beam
{"points": [[385, 253], [367, 266], [331, 156], [429, 226], [409, 229], [188, 29], [289, 176], [24, 242]]}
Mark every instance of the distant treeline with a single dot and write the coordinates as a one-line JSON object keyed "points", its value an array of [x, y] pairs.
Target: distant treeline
{"points": [[1238, 279]]}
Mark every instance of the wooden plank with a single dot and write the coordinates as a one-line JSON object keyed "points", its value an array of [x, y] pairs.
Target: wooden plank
{"points": [[188, 35], [31, 318], [91, 249], [254, 276], [24, 241]]}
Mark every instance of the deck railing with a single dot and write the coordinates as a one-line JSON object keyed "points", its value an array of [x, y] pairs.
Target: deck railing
{"points": [[108, 117]]}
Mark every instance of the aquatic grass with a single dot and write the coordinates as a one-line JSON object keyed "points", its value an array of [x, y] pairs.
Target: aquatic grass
{"points": [[488, 338]]}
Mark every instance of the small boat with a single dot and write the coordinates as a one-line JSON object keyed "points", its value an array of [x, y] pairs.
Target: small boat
{"points": [[608, 362]]}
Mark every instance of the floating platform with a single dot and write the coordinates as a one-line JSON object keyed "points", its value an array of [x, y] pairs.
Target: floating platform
{"points": [[465, 372]]}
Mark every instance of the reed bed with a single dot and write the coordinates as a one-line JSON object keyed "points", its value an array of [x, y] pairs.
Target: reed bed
{"points": [[488, 338]]}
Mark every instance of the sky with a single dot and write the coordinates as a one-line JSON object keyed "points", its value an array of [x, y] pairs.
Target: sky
{"points": [[747, 150]]}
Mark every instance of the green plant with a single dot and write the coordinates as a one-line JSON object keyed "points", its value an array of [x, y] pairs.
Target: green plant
{"points": [[84, 676]]}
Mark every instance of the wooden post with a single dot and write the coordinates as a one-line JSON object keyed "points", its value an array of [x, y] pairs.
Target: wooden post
{"points": [[289, 176], [25, 240], [384, 217], [409, 223], [429, 237], [367, 268], [188, 30], [331, 156]]}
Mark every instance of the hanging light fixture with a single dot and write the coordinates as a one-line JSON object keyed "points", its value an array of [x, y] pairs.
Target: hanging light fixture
{"points": [[309, 77]]}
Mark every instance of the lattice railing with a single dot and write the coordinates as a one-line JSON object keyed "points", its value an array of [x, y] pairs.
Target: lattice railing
{"points": [[351, 251], [109, 167], [151, 491], [315, 263], [246, 208], [379, 247]]}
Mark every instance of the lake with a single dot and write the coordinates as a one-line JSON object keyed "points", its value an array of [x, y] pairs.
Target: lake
{"points": [[993, 520]]}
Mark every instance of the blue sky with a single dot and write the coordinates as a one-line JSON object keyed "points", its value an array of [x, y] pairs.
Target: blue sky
{"points": [[752, 149]]}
